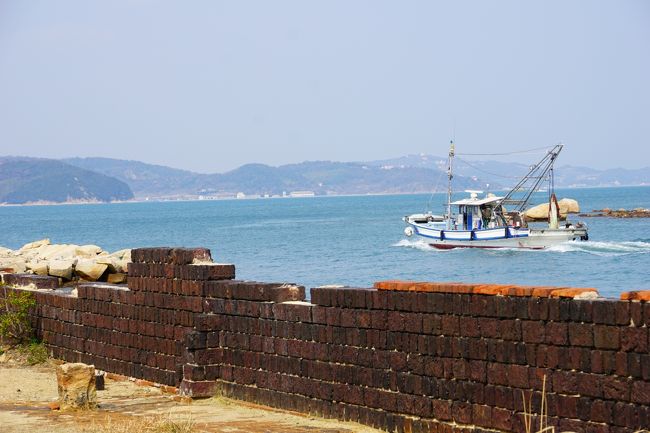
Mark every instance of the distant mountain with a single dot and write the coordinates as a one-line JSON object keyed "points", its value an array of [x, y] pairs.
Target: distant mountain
{"points": [[321, 177], [144, 179], [104, 179], [502, 175], [27, 180]]}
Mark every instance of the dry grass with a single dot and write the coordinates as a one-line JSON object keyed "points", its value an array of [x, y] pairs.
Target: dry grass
{"points": [[143, 424], [528, 413], [543, 414], [26, 354]]}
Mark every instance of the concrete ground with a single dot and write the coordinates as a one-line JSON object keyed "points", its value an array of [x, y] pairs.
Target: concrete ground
{"points": [[124, 406]]}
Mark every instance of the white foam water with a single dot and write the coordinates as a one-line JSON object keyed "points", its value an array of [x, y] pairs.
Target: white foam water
{"points": [[417, 244], [605, 249]]}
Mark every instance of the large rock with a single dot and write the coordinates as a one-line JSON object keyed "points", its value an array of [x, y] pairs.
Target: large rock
{"points": [[116, 278], [57, 252], [536, 213], [122, 255], [568, 205], [90, 270], [114, 265], [6, 252], [35, 244], [124, 264], [15, 265], [76, 383], [62, 268], [540, 212], [87, 251], [38, 267]]}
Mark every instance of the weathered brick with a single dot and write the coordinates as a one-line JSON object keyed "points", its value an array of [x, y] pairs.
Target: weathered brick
{"points": [[606, 337], [640, 392], [581, 334], [634, 339], [442, 409], [557, 333], [533, 331]]}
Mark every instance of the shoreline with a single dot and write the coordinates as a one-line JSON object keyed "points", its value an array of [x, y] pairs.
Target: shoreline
{"points": [[169, 199]]}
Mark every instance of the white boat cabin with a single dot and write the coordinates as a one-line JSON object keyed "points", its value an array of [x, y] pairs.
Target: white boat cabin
{"points": [[475, 213]]}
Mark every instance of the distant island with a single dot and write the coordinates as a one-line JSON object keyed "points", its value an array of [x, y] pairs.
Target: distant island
{"points": [[36, 180]]}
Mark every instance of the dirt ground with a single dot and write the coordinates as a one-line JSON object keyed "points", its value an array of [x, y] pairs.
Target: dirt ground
{"points": [[125, 406]]}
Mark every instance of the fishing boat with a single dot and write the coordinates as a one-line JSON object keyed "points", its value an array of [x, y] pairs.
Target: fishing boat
{"points": [[485, 222]]}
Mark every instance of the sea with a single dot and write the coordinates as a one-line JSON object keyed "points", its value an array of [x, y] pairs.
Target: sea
{"points": [[349, 240]]}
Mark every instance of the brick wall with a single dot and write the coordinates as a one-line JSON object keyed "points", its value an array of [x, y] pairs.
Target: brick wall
{"points": [[401, 357]]}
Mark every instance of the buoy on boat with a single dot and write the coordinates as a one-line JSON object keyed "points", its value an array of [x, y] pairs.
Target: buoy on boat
{"points": [[408, 231]]}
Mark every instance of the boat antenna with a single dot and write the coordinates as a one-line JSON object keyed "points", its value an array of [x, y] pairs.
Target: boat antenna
{"points": [[450, 176]]}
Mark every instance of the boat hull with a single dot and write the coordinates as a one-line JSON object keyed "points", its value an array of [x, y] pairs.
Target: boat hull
{"points": [[503, 237]]}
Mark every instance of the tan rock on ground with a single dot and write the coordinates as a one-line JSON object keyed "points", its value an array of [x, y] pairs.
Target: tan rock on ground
{"points": [[61, 268], [57, 252], [89, 270], [39, 268], [35, 244], [16, 265], [87, 250], [116, 278], [114, 264], [123, 254], [76, 385]]}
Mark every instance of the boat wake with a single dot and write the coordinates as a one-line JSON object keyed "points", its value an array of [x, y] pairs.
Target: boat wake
{"points": [[607, 249], [415, 244], [604, 249]]}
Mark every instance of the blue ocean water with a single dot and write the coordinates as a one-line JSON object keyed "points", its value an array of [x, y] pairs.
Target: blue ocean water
{"points": [[348, 240]]}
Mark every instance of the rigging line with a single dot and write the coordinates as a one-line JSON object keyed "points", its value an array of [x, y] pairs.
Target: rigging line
{"points": [[506, 153], [487, 172], [434, 192]]}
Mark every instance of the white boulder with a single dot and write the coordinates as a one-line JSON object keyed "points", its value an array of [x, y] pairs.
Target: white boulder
{"points": [[90, 270], [114, 265], [568, 205], [57, 252], [122, 254], [66, 261], [14, 265], [35, 244], [6, 252], [122, 265], [62, 268], [38, 267], [87, 250]]}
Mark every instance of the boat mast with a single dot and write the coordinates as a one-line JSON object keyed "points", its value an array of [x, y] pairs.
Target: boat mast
{"points": [[450, 176], [521, 194]]}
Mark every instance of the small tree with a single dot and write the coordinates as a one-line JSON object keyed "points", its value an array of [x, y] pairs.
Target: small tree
{"points": [[15, 325]]}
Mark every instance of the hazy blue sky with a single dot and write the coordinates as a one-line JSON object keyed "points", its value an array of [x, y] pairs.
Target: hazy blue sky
{"points": [[208, 85]]}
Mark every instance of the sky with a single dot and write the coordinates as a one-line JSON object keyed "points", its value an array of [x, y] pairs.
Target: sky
{"points": [[211, 85]]}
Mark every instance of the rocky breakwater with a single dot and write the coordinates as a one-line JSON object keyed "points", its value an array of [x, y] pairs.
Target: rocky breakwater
{"points": [[620, 213], [50, 265]]}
